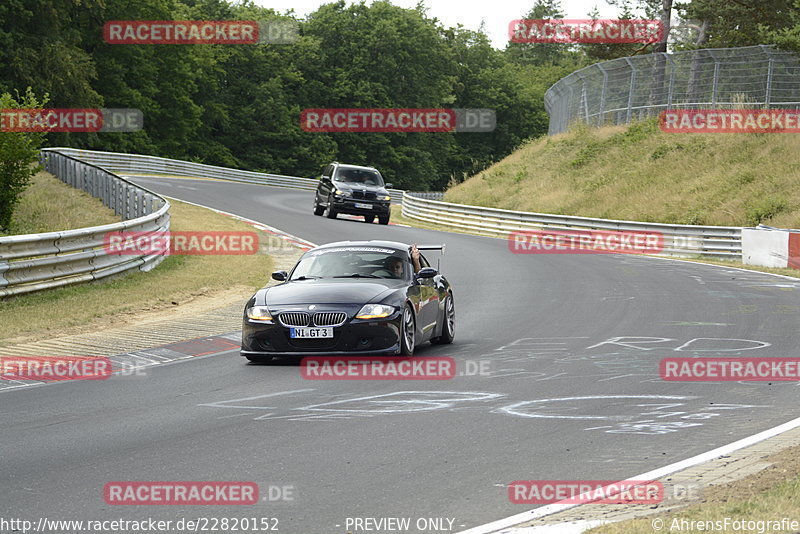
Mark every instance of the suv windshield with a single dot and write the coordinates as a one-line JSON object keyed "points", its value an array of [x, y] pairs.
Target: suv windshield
{"points": [[358, 176], [351, 262]]}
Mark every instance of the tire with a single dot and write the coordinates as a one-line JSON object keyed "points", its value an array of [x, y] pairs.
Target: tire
{"points": [[329, 211], [449, 326], [369, 219], [383, 219], [318, 210], [408, 332]]}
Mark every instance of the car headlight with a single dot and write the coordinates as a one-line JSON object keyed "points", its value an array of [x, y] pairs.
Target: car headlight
{"points": [[342, 193], [375, 311], [385, 197], [260, 314]]}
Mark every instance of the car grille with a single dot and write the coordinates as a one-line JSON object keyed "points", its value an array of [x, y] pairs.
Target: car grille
{"points": [[329, 318], [294, 318], [367, 195]]}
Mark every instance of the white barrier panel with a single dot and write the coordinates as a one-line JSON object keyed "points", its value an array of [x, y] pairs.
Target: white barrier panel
{"points": [[766, 247]]}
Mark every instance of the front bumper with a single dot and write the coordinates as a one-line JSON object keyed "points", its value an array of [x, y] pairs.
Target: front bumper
{"points": [[354, 337], [348, 205]]}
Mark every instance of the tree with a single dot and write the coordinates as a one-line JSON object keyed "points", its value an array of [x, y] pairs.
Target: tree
{"points": [[18, 152], [734, 23], [41, 47], [383, 56], [540, 53]]}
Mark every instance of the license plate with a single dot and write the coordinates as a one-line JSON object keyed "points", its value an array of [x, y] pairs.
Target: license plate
{"points": [[364, 206], [310, 333]]}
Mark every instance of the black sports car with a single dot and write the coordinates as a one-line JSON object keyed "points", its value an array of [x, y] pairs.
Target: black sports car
{"points": [[350, 297]]}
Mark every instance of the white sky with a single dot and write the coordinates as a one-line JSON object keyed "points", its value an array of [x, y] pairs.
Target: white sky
{"points": [[495, 14]]}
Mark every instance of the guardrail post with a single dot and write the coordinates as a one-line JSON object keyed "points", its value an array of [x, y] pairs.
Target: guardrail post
{"points": [[139, 203], [127, 192], [583, 105], [123, 199], [715, 82], [671, 86], [567, 106], [601, 115], [770, 72], [630, 91]]}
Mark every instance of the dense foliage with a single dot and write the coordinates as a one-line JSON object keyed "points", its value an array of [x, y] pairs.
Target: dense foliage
{"points": [[239, 105], [18, 150]]}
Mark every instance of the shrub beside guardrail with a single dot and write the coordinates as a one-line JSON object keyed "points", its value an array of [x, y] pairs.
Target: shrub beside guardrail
{"points": [[34, 262], [679, 240]]}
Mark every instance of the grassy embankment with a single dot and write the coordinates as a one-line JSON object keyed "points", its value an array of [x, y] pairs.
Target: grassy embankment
{"points": [[177, 280], [639, 173]]}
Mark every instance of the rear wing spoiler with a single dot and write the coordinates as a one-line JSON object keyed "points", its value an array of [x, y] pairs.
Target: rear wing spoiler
{"points": [[431, 247]]}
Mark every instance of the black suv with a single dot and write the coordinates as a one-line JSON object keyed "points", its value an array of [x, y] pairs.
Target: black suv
{"points": [[352, 189]]}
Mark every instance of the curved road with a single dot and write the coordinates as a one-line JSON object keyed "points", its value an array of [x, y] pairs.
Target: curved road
{"points": [[569, 347]]}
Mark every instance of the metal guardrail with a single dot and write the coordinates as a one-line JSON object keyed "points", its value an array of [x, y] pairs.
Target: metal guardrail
{"points": [[153, 165], [679, 240], [628, 88], [35, 262], [430, 195]]}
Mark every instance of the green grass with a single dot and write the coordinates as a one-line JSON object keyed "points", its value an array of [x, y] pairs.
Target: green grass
{"points": [[639, 173], [50, 205], [177, 280], [781, 500]]}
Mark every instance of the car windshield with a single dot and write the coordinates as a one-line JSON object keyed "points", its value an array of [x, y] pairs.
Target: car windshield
{"points": [[359, 176], [351, 262]]}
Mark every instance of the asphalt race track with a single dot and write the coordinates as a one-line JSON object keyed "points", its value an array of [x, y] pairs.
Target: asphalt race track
{"points": [[570, 346]]}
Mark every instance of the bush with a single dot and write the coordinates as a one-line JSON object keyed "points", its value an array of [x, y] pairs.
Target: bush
{"points": [[765, 209], [18, 152]]}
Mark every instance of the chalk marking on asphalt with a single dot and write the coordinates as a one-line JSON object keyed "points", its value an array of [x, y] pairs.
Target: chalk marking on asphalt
{"points": [[221, 404]]}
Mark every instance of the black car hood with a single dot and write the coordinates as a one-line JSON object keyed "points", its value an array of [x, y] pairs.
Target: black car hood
{"points": [[328, 291]]}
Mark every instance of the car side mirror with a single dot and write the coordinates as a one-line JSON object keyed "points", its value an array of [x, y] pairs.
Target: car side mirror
{"points": [[387, 186], [427, 272], [281, 276]]}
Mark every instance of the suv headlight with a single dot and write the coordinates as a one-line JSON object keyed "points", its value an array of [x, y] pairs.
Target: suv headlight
{"points": [[384, 197], [375, 311], [259, 314], [342, 193]]}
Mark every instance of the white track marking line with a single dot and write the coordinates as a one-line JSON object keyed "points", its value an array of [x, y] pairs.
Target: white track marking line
{"points": [[257, 224], [505, 523]]}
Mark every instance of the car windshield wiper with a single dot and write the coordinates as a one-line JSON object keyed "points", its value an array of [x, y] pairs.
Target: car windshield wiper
{"points": [[357, 275], [304, 277]]}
